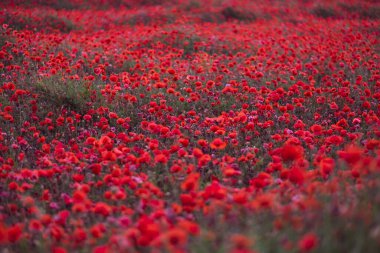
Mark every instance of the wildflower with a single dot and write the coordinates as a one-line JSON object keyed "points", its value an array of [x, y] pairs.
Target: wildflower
{"points": [[176, 237], [79, 235], [308, 242], [290, 152], [59, 250], [189, 227], [296, 176], [14, 233], [218, 144], [95, 168], [101, 249], [241, 242], [161, 158], [191, 182], [326, 166], [103, 209], [351, 155]]}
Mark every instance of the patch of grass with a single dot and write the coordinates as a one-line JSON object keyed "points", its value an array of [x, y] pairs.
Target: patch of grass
{"points": [[64, 93], [150, 2], [185, 40], [230, 14], [361, 11], [59, 23], [47, 23], [193, 4], [233, 13], [4, 38], [59, 5], [54, 4], [371, 13], [142, 18], [324, 12]]}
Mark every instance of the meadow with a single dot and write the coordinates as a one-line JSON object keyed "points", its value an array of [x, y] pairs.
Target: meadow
{"points": [[224, 126]]}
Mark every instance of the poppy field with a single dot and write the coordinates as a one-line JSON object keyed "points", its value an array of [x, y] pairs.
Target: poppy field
{"points": [[224, 126]]}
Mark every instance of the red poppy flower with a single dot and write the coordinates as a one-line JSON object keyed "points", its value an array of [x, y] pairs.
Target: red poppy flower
{"points": [[296, 176], [59, 250], [101, 249], [161, 158], [14, 233], [290, 152], [351, 154], [103, 209], [308, 242], [218, 144], [176, 237]]}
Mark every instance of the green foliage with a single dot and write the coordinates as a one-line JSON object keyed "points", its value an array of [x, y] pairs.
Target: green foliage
{"points": [[62, 24], [324, 12], [54, 4], [56, 23], [64, 93], [362, 11], [232, 13]]}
